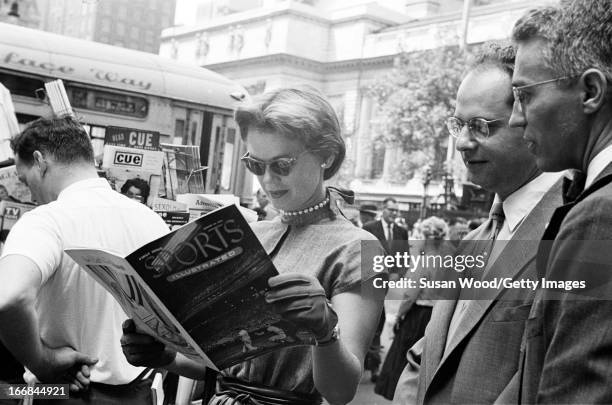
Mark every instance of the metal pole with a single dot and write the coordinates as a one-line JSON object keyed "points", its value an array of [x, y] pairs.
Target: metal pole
{"points": [[465, 21]]}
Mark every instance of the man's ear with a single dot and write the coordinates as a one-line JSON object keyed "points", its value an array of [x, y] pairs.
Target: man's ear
{"points": [[594, 90], [40, 161]]}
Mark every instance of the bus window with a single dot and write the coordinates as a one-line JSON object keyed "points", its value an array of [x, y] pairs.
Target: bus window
{"points": [[21, 85], [96, 133], [228, 158], [179, 131], [105, 101]]}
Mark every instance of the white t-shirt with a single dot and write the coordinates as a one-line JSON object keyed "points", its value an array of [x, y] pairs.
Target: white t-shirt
{"points": [[73, 309]]}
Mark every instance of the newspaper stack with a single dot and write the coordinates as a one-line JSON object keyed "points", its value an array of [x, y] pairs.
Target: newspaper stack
{"points": [[58, 99]]}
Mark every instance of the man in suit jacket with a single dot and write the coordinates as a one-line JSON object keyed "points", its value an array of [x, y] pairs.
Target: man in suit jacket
{"points": [[393, 237], [471, 349], [564, 103]]}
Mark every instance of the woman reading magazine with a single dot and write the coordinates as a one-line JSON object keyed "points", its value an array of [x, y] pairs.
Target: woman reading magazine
{"points": [[294, 143]]}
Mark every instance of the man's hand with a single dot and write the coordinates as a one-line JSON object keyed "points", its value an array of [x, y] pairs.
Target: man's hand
{"points": [[301, 299], [64, 365], [143, 350]]}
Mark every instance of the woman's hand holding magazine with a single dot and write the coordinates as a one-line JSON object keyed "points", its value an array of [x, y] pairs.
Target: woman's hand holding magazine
{"points": [[143, 350]]}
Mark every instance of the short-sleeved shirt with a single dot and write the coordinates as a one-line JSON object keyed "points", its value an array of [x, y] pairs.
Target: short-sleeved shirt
{"points": [[73, 309], [330, 250]]}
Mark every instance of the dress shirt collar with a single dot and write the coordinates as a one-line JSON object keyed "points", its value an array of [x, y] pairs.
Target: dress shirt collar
{"points": [[520, 203], [597, 164]]}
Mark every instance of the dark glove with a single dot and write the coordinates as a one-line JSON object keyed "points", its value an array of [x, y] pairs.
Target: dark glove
{"points": [[300, 299], [143, 350]]}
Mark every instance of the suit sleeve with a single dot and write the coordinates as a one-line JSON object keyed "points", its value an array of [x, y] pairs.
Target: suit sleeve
{"points": [[408, 383], [577, 364]]}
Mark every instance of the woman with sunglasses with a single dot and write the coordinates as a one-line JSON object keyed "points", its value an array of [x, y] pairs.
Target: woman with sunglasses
{"points": [[293, 144]]}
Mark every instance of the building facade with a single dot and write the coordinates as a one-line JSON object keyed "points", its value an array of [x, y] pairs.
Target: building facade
{"points": [[20, 12], [133, 24], [339, 47]]}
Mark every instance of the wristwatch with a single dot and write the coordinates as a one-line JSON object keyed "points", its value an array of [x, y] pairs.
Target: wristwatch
{"points": [[331, 337]]}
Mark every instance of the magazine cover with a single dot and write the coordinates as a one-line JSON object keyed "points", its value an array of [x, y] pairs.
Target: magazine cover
{"points": [[183, 172], [123, 165], [205, 284], [11, 188], [11, 212], [123, 282]]}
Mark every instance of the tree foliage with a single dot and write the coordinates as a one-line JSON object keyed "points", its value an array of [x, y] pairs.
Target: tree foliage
{"points": [[413, 102]]}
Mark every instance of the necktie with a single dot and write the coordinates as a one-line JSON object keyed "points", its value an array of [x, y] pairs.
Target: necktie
{"points": [[390, 233], [485, 239], [483, 245], [496, 216], [573, 188]]}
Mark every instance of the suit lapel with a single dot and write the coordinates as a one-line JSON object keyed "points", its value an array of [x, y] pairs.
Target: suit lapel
{"points": [[383, 238], [435, 342], [509, 263]]}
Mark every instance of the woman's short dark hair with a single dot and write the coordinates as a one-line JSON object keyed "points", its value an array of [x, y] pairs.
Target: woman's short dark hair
{"points": [[63, 138], [140, 184], [301, 114]]}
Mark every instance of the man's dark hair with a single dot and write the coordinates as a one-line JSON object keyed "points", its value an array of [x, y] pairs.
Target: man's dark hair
{"points": [[386, 200], [140, 184], [495, 54], [64, 139], [584, 38]]}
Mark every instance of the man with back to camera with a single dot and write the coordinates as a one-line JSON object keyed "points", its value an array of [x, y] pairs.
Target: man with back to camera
{"points": [[471, 349], [63, 322], [563, 103]]}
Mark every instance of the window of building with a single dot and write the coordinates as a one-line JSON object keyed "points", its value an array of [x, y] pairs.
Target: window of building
{"points": [[122, 11], [106, 25], [21, 85], [378, 161], [149, 37], [134, 33], [120, 29]]}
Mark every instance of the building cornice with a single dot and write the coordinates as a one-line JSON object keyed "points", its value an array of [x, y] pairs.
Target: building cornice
{"points": [[283, 59], [455, 16], [265, 15]]}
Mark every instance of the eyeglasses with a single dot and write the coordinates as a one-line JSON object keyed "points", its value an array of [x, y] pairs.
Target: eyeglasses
{"points": [[479, 127], [521, 96], [281, 166]]}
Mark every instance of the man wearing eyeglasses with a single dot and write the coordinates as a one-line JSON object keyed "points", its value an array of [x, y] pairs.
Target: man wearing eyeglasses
{"points": [[562, 84], [393, 237], [471, 348]]}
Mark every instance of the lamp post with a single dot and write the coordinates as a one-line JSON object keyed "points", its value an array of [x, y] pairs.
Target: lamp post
{"points": [[426, 181]]}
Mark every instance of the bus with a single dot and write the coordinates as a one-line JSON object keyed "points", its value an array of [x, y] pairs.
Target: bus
{"points": [[113, 86]]}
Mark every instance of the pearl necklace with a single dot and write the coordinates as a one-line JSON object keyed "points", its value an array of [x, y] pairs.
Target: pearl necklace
{"points": [[306, 210]]}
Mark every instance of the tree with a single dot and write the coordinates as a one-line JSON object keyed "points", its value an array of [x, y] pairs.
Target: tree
{"points": [[413, 102]]}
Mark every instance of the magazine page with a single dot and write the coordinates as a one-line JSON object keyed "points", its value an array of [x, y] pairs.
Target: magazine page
{"points": [[198, 205], [202, 204], [11, 212], [163, 204], [122, 164], [137, 300], [212, 274], [11, 188], [183, 172]]}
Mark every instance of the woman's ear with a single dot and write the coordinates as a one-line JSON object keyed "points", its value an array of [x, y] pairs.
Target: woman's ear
{"points": [[328, 161]]}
